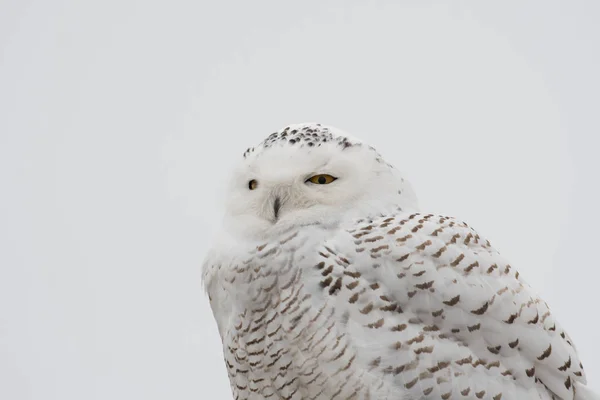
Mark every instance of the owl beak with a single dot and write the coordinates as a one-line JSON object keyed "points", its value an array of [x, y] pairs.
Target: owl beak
{"points": [[276, 207]]}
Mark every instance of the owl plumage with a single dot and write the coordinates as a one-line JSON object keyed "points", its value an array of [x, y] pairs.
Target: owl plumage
{"points": [[344, 290]]}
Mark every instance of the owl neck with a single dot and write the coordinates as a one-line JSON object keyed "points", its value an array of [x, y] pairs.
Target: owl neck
{"points": [[255, 229]]}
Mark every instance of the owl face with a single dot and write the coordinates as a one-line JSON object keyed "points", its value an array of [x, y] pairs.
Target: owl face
{"points": [[308, 179]]}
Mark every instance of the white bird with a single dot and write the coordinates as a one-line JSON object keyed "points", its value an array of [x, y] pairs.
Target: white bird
{"points": [[326, 282]]}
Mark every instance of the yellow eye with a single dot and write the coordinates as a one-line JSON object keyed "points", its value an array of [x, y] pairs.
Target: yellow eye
{"points": [[252, 184], [321, 179]]}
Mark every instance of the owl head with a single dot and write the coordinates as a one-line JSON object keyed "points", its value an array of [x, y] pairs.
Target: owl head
{"points": [[309, 174]]}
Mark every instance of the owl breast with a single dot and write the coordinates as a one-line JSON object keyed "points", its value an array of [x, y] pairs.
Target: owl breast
{"points": [[287, 337], [361, 315]]}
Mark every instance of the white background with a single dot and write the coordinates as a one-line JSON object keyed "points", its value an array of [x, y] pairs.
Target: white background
{"points": [[120, 120]]}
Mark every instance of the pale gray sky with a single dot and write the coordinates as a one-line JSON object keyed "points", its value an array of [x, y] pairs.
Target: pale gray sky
{"points": [[120, 120]]}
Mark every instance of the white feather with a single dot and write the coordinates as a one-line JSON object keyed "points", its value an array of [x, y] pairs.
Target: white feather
{"points": [[343, 290]]}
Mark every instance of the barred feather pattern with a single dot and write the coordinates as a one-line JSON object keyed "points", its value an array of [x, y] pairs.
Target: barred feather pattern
{"points": [[402, 306]]}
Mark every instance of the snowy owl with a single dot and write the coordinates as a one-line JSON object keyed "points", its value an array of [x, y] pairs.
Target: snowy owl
{"points": [[327, 282]]}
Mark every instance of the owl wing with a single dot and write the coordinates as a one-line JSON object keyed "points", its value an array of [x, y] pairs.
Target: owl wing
{"points": [[433, 303]]}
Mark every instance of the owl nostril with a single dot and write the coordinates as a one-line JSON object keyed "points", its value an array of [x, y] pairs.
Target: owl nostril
{"points": [[276, 207]]}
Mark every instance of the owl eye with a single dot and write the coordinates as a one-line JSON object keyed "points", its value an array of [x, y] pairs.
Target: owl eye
{"points": [[252, 184], [321, 179]]}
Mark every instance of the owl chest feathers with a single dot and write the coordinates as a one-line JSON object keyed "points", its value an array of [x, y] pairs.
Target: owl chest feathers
{"points": [[285, 332], [316, 312]]}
